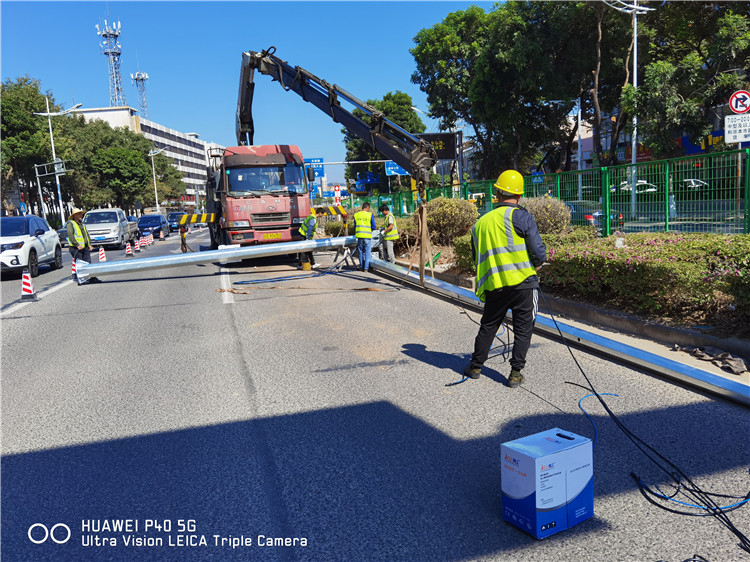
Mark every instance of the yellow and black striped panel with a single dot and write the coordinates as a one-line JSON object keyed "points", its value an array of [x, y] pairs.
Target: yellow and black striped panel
{"points": [[331, 210], [198, 217]]}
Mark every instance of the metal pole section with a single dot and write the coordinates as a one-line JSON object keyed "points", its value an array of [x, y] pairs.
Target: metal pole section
{"points": [[634, 139], [224, 254], [580, 167], [54, 160], [39, 187]]}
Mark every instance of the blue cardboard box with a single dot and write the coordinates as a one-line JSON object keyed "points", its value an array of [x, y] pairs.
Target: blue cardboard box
{"points": [[547, 481]]}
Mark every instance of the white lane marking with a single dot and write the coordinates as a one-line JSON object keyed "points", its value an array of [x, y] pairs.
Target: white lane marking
{"points": [[226, 284], [40, 295]]}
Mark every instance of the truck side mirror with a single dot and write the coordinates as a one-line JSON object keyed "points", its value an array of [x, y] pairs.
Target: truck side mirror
{"points": [[310, 174]]}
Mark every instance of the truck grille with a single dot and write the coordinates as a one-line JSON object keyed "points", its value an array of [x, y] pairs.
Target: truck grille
{"points": [[270, 220]]}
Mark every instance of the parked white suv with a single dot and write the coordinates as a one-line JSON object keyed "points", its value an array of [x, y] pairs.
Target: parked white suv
{"points": [[109, 227], [26, 242]]}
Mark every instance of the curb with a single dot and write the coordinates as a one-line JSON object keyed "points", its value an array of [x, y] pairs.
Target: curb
{"points": [[615, 320]]}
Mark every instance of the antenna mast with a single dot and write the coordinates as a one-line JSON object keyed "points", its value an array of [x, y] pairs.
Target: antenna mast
{"points": [[112, 49], [139, 79]]}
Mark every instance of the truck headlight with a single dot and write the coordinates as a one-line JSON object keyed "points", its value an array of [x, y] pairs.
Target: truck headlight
{"points": [[237, 224]]}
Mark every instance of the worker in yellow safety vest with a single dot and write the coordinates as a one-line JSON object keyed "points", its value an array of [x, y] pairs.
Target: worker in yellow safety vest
{"points": [[389, 234], [365, 224], [79, 241], [307, 231], [508, 253]]}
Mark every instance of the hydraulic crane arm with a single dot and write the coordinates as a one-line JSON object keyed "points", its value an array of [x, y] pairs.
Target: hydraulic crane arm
{"points": [[395, 143]]}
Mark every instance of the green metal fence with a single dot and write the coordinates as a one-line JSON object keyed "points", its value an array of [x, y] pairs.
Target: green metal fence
{"points": [[698, 193]]}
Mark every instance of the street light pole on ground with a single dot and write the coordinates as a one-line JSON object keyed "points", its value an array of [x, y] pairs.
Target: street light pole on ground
{"points": [[153, 153], [54, 156]]}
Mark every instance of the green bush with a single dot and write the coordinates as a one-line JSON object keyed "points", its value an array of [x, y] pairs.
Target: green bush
{"points": [[464, 257], [552, 216], [334, 228], [448, 219], [683, 276]]}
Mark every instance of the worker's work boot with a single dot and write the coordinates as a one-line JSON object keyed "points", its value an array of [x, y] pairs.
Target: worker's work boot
{"points": [[471, 372], [515, 379]]}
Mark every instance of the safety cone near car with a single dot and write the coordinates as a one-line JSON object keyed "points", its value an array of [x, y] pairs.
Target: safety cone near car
{"points": [[138, 245], [27, 287], [151, 238], [161, 235], [73, 269], [128, 249], [102, 255]]}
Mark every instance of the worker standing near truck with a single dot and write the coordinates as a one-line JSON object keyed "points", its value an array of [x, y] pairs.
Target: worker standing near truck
{"points": [[364, 225], [307, 231], [508, 252], [390, 234]]}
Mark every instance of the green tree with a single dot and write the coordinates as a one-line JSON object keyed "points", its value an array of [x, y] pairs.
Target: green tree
{"points": [[397, 107], [25, 140], [124, 175], [698, 54]]}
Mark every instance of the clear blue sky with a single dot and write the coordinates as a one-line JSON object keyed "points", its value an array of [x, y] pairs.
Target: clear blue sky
{"points": [[192, 52]]}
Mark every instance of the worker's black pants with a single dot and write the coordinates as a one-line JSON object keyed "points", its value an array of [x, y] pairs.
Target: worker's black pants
{"points": [[524, 303]]}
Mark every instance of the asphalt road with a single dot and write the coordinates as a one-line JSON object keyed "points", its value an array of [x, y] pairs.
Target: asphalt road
{"points": [[315, 408]]}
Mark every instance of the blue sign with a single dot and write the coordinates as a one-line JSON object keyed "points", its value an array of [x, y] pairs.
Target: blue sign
{"points": [[536, 177], [317, 165], [328, 194], [393, 169]]}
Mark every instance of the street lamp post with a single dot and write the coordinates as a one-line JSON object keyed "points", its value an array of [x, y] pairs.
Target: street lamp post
{"points": [[54, 156], [153, 153]]}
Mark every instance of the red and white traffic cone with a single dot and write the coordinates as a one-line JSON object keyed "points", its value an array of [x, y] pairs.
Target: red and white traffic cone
{"points": [[200, 228], [73, 269], [27, 287], [161, 235], [128, 249], [150, 238], [102, 255], [138, 245]]}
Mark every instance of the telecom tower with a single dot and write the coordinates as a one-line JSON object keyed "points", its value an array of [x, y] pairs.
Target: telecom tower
{"points": [[139, 79], [111, 47]]}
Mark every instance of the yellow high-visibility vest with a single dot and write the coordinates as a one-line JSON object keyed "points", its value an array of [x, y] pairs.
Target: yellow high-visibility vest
{"points": [[501, 256], [393, 233], [303, 230], [363, 221], [81, 236]]}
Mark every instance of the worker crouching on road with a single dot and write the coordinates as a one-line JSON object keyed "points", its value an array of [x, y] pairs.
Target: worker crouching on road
{"points": [[183, 239], [79, 241], [389, 234], [307, 231], [365, 224], [508, 252]]}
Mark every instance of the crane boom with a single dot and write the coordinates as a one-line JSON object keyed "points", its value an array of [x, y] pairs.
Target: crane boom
{"points": [[392, 141]]}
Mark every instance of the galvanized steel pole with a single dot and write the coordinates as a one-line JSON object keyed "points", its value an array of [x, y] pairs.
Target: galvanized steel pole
{"points": [[224, 254]]}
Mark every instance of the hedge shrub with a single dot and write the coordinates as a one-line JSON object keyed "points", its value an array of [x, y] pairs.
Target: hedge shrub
{"points": [[552, 216], [448, 219]]}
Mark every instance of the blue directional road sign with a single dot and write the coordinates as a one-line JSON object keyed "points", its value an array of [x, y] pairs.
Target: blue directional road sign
{"points": [[317, 165], [393, 169]]}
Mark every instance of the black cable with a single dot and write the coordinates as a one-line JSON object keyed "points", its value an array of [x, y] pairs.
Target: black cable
{"points": [[697, 495]]}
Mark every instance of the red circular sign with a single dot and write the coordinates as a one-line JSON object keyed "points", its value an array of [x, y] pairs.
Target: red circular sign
{"points": [[740, 102]]}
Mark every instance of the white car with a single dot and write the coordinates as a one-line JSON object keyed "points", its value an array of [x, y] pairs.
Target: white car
{"points": [[26, 242]]}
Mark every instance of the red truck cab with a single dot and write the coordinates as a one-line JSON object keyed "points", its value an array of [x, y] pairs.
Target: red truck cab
{"points": [[259, 194]]}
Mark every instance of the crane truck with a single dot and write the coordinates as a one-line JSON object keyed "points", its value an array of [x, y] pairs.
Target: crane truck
{"points": [[259, 192]]}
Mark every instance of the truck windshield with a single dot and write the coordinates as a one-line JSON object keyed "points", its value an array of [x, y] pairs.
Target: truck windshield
{"points": [[266, 179]]}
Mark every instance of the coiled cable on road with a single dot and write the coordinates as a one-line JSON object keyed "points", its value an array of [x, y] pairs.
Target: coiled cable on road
{"points": [[699, 498]]}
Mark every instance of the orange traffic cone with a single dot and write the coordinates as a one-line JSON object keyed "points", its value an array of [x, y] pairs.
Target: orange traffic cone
{"points": [[200, 228], [128, 249], [73, 269], [102, 255], [27, 287]]}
